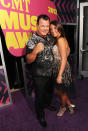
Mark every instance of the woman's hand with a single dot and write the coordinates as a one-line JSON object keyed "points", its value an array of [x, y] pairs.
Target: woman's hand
{"points": [[59, 79]]}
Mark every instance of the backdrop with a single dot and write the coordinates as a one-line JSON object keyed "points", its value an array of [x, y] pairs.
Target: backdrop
{"points": [[18, 20]]}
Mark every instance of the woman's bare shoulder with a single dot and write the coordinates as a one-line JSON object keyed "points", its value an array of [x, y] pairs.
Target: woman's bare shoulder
{"points": [[61, 40]]}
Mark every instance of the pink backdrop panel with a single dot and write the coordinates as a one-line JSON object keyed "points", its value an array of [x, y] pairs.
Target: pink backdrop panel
{"points": [[18, 20]]}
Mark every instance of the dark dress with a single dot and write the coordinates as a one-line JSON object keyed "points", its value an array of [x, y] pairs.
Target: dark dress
{"points": [[66, 77]]}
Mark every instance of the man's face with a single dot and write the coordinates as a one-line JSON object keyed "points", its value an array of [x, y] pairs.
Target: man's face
{"points": [[43, 27]]}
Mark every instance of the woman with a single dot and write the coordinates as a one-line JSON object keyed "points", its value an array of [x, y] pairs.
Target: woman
{"points": [[61, 51]]}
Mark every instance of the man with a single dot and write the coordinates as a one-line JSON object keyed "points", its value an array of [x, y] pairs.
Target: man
{"points": [[39, 54]]}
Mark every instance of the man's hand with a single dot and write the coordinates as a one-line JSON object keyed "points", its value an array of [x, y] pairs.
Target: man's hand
{"points": [[39, 47], [32, 56]]}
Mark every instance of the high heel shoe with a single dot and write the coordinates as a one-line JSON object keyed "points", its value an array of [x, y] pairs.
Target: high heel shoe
{"points": [[72, 105], [61, 111], [71, 109]]}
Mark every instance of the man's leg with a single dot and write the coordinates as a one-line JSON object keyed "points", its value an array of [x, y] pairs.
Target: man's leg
{"points": [[49, 94], [40, 84]]}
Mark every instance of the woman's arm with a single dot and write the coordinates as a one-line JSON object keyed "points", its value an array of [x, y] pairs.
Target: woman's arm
{"points": [[68, 48], [61, 43]]}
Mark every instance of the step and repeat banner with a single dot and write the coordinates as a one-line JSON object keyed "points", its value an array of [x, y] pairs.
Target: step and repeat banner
{"points": [[18, 20], [4, 94], [66, 11]]}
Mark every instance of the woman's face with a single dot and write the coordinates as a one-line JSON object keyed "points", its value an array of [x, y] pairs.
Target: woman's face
{"points": [[54, 31]]}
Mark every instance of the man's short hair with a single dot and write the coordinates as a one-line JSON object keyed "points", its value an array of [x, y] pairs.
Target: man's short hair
{"points": [[43, 16]]}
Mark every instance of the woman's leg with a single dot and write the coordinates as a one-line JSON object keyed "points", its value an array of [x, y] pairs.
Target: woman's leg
{"points": [[63, 97], [68, 102], [63, 102]]}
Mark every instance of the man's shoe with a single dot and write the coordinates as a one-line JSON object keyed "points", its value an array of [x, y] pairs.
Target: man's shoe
{"points": [[51, 108], [42, 122]]}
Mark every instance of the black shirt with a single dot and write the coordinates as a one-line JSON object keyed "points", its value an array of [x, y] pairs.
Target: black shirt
{"points": [[44, 63]]}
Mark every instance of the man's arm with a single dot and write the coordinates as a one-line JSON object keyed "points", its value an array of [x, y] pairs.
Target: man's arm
{"points": [[31, 57]]}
